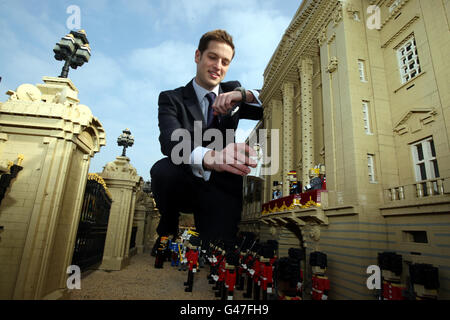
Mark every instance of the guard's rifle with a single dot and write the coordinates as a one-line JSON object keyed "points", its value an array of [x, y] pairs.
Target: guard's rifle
{"points": [[253, 262], [246, 256], [214, 272]]}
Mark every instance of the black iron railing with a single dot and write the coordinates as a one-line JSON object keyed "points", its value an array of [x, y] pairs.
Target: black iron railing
{"points": [[93, 225]]}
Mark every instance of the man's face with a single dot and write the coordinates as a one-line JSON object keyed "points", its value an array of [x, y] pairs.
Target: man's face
{"points": [[212, 65]]}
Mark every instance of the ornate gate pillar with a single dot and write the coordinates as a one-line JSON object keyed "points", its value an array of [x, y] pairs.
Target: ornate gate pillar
{"points": [[57, 137], [122, 180]]}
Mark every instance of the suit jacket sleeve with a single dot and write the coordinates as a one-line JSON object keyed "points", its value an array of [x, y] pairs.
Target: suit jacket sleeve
{"points": [[169, 122]]}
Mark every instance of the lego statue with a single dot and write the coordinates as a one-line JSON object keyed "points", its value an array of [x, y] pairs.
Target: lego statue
{"points": [[320, 282], [192, 258]]}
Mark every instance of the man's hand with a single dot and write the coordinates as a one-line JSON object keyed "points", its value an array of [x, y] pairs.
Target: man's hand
{"points": [[226, 101], [234, 159]]}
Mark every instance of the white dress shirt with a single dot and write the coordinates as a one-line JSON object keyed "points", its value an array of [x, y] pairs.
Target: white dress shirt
{"points": [[199, 152]]}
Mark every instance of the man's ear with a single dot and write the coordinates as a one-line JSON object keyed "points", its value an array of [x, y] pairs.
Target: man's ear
{"points": [[197, 56]]}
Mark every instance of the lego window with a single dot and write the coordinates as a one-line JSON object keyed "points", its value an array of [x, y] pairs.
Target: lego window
{"points": [[425, 162], [366, 117], [362, 71], [371, 167], [408, 60]]}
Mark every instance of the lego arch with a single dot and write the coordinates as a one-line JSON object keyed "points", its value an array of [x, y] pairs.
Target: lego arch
{"points": [[92, 137]]}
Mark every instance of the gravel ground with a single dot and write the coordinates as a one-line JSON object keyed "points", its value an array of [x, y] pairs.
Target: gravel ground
{"points": [[141, 281]]}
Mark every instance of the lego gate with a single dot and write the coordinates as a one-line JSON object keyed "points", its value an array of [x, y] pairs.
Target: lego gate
{"points": [[91, 235]]}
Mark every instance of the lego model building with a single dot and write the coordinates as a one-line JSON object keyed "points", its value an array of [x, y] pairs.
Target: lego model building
{"points": [[320, 282]]}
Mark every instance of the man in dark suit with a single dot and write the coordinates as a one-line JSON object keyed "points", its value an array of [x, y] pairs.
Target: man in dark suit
{"points": [[196, 176]]}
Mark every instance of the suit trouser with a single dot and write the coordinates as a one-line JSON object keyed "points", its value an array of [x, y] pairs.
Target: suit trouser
{"points": [[216, 204]]}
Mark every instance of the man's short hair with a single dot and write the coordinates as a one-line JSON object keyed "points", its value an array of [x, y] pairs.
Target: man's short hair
{"points": [[215, 35]]}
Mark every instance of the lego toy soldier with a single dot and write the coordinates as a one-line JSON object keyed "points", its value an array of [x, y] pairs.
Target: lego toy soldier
{"points": [[243, 259], [220, 276], [320, 282], [192, 258], [250, 265], [391, 266], [266, 269], [161, 253], [425, 281], [289, 275], [232, 260]]}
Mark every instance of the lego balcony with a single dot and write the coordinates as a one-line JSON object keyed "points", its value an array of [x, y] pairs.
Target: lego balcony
{"points": [[296, 208], [428, 196]]}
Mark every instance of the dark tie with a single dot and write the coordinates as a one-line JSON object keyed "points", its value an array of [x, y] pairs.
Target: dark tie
{"points": [[210, 118]]}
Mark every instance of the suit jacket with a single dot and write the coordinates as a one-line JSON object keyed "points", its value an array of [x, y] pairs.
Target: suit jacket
{"points": [[179, 109]]}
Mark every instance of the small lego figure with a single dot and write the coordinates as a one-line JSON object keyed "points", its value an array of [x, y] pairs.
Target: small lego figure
{"points": [[161, 252], [315, 182], [192, 258], [243, 259], [250, 267], [391, 269], [424, 280], [320, 282], [266, 260], [294, 187], [276, 191], [289, 275], [175, 250]]}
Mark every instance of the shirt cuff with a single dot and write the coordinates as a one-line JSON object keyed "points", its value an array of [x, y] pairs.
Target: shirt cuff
{"points": [[256, 95], [197, 163]]}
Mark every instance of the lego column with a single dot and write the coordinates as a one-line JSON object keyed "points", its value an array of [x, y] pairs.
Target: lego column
{"points": [[305, 68], [122, 181], [288, 133], [40, 212], [268, 125], [152, 219], [139, 221]]}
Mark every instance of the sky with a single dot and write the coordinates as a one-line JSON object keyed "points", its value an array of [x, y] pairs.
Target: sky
{"points": [[139, 48]]}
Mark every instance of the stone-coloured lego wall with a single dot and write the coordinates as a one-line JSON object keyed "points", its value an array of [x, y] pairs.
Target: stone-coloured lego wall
{"points": [[57, 137], [363, 218]]}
